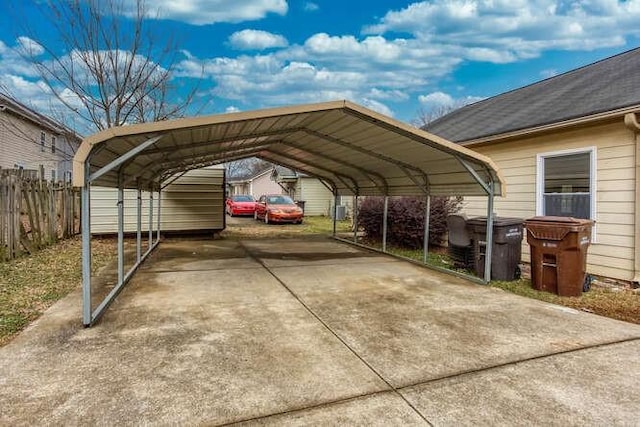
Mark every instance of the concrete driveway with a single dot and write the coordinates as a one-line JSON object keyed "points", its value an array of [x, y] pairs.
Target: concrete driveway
{"points": [[313, 331]]}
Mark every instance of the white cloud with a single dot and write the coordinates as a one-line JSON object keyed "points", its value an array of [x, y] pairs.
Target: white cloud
{"points": [[505, 31], [545, 74], [232, 109], [377, 106], [256, 39], [203, 12], [388, 95], [311, 7], [30, 46], [12, 62], [435, 100]]}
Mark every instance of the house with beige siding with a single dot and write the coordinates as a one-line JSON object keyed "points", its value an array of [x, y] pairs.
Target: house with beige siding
{"points": [[30, 140], [317, 197], [567, 146], [255, 185]]}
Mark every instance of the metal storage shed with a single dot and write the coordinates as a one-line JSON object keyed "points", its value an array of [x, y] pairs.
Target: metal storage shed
{"points": [[354, 150], [192, 202]]}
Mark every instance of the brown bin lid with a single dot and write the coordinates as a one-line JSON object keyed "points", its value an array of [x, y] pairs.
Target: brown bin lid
{"points": [[554, 227], [565, 220]]}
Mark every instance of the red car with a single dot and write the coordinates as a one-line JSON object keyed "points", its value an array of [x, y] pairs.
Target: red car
{"points": [[278, 208], [241, 205]]}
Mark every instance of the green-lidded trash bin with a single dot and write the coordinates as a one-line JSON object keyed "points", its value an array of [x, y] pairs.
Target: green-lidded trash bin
{"points": [[558, 253], [506, 250]]}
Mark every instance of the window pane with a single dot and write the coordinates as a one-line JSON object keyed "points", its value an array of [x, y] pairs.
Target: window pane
{"points": [[575, 205], [567, 174]]}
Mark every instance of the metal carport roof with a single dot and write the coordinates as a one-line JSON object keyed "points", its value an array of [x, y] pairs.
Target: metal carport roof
{"points": [[353, 150]]}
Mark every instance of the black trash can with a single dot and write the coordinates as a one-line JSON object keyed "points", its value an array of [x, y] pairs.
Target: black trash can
{"points": [[506, 250], [300, 204]]}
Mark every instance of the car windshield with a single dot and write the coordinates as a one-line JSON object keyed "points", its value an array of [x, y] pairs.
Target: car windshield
{"points": [[242, 198], [279, 200]]}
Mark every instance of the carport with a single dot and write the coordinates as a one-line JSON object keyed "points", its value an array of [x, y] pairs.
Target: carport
{"points": [[353, 150]]}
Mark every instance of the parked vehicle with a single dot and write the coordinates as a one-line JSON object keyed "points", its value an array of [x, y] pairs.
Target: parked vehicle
{"points": [[241, 205], [278, 208]]}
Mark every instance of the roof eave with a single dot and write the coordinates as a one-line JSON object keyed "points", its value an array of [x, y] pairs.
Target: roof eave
{"points": [[621, 112]]}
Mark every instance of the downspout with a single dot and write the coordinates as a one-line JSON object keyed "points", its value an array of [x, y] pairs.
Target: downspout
{"points": [[631, 122]]}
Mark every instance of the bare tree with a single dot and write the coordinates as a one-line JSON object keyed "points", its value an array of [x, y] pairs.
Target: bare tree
{"points": [[425, 117], [114, 70], [243, 168]]}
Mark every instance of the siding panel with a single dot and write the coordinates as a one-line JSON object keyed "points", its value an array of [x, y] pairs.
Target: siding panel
{"points": [[194, 201], [613, 253]]}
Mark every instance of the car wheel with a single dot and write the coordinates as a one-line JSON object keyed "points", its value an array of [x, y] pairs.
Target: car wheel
{"points": [[266, 217]]}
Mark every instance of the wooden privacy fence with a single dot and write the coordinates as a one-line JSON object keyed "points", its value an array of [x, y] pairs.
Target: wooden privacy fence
{"points": [[35, 212]]}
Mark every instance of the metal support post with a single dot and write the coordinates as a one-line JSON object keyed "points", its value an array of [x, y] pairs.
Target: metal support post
{"points": [[384, 223], [139, 225], [150, 218], [159, 216], [120, 230], [335, 211], [489, 239], [355, 218], [86, 249], [427, 219]]}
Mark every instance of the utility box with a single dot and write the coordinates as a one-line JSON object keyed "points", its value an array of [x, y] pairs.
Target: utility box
{"points": [[506, 250], [340, 213], [559, 253]]}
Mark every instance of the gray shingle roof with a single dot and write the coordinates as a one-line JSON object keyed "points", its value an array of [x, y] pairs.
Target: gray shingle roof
{"points": [[603, 86]]}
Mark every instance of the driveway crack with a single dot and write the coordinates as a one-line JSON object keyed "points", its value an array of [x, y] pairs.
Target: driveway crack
{"points": [[334, 333]]}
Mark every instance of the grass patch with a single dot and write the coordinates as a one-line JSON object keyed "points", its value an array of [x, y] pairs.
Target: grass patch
{"points": [[31, 284], [622, 304], [312, 225]]}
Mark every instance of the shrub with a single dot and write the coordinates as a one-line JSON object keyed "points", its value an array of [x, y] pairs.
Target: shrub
{"points": [[405, 219]]}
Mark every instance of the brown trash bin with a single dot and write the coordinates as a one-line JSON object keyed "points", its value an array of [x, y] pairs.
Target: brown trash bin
{"points": [[558, 253]]}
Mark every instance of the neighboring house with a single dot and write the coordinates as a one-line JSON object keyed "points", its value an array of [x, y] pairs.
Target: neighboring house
{"points": [[317, 197], [30, 140], [256, 185], [567, 146]]}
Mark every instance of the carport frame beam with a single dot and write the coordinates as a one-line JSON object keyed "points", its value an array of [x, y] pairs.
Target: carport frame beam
{"points": [[89, 316], [427, 220], [384, 223], [489, 188]]}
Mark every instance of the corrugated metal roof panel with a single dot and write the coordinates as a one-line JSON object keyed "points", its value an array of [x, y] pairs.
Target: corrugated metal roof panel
{"points": [[353, 149]]}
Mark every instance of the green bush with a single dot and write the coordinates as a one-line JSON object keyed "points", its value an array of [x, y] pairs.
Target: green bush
{"points": [[405, 219]]}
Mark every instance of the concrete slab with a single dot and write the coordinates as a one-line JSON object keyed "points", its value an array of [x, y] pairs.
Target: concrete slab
{"points": [[178, 348], [185, 255], [598, 386], [413, 325], [318, 251], [195, 340], [381, 409]]}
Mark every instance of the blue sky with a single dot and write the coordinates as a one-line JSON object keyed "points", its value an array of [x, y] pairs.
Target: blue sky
{"points": [[395, 57]]}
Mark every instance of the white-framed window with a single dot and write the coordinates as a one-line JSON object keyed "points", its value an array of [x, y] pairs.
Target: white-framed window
{"points": [[53, 144], [43, 137], [566, 183]]}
